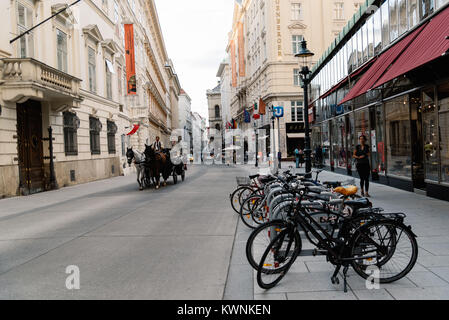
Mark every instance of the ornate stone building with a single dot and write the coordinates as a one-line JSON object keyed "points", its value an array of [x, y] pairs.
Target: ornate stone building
{"points": [[70, 74]]}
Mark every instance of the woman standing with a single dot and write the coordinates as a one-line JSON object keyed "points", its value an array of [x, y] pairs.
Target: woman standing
{"points": [[301, 157], [362, 154]]}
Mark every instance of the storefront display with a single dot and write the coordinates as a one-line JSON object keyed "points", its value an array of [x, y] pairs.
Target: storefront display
{"points": [[397, 130]]}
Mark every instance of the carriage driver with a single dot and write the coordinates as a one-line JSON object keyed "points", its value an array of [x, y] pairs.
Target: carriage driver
{"points": [[157, 145]]}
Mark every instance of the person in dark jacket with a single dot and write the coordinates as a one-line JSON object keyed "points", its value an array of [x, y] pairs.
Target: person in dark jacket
{"points": [[362, 154]]}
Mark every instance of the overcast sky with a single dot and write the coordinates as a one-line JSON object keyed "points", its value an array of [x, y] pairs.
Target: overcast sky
{"points": [[196, 33]]}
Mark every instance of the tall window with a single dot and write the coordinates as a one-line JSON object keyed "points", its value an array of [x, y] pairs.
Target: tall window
{"points": [[427, 8], [109, 71], [105, 6], [24, 22], [296, 43], [296, 77], [398, 133], [61, 40], [92, 69], [112, 130], [394, 20], [339, 11], [71, 125], [119, 82], [297, 111], [296, 11], [385, 25], [94, 132], [217, 111]]}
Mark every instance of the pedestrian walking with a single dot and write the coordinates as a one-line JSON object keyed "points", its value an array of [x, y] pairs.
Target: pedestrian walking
{"points": [[362, 154], [297, 157]]}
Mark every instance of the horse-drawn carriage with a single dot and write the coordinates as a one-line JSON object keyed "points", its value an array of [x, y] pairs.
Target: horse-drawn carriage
{"points": [[151, 165]]}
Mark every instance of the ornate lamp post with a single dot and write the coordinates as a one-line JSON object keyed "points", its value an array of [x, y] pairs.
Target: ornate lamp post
{"points": [[304, 54]]}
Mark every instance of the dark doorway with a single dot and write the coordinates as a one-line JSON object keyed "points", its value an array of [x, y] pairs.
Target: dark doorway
{"points": [[31, 158], [417, 141]]}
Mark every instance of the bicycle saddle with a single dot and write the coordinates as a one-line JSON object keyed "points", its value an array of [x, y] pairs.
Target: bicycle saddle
{"points": [[346, 191], [359, 203], [332, 184], [254, 176], [266, 179]]}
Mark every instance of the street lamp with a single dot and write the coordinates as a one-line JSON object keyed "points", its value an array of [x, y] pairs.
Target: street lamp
{"points": [[305, 54], [257, 143]]}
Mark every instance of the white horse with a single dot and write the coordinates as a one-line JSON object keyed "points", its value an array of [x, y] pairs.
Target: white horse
{"points": [[139, 162]]}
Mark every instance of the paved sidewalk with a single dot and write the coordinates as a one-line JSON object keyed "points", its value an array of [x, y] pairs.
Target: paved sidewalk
{"points": [[309, 277]]}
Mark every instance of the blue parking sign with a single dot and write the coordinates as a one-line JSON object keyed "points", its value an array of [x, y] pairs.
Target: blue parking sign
{"points": [[278, 111]]}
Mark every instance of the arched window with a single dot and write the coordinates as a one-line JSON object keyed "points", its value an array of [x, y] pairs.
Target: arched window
{"points": [[217, 111], [217, 127]]}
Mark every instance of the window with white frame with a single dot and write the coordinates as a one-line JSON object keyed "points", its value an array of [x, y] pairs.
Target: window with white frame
{"points": [[25, 22], [296, 11], [296, 43], [296, 77], [61, 40], [297, 111], [91, 57], [339, 10], [109, 71]]}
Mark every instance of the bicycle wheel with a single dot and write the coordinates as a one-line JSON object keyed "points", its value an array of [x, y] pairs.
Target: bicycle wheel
{"points": [[250, 205], [278, 257], [235, 198], [384, 249], [260, 239]]}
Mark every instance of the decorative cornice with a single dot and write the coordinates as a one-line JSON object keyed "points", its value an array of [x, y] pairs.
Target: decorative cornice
{"points": [[297, 25]]}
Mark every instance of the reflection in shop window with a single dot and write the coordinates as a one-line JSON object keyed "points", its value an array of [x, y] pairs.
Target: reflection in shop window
{"points": [[377, 141], [430, 135], [385, 25], [403, 23], [443, 104], [398, 149], [326, 143], [394, 14], [413, 13]]}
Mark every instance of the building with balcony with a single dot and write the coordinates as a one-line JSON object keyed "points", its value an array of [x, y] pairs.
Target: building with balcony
{"points": [[70, 74], [386, 77]]}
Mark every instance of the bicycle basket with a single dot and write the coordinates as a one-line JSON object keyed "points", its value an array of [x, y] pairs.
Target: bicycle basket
{"points": [[243, 181]]}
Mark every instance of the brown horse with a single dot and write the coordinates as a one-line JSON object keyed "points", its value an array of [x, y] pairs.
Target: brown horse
{"points": [[158, 163]]}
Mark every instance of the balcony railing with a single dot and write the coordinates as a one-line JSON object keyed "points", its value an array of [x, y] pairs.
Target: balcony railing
{"points": [[28, 69]]}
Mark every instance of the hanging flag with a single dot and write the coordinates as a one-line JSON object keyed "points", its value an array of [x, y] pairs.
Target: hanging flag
{"points": [[247, 116], [241, 44], [262, 106], [130, 60], [233, 65], [134, 130]]}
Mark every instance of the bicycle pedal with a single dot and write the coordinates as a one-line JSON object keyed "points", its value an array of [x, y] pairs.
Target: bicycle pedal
{"points": [[317, 252]]}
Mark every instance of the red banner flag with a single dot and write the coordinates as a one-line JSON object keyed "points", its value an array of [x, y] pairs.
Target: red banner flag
{"points": [[130, 60], [262, 106], [134, 130]]}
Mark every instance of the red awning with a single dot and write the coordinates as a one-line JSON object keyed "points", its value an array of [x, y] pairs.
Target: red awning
{"points": [[344, 81], [431, 43], [378, 68]]}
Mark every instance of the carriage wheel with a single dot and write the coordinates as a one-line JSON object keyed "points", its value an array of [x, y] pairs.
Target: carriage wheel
{"points": [[175, 178]]}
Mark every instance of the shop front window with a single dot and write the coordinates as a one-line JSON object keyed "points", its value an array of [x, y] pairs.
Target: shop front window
{"points": [[430, 135], [338, 147], [349, 139], [377, 141], [397, 115], [443, 106], [326, 143]]}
